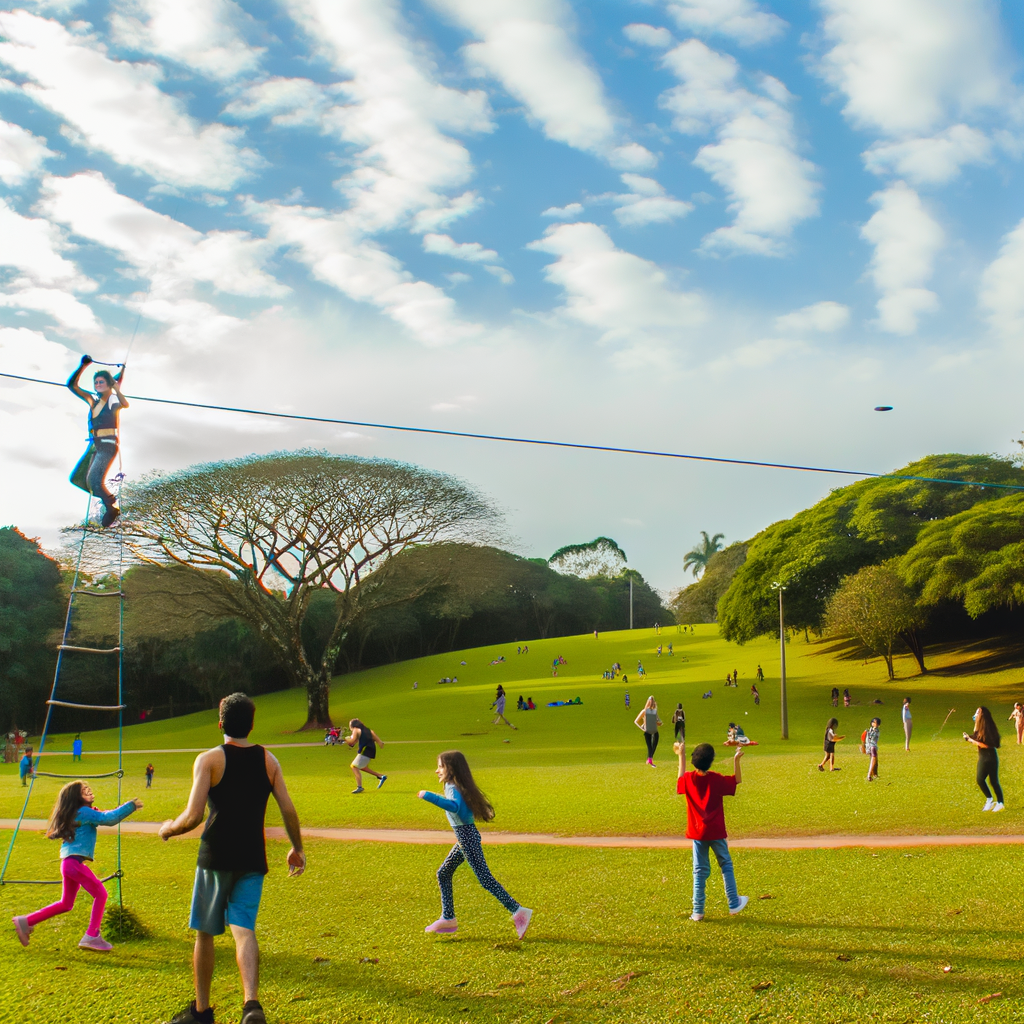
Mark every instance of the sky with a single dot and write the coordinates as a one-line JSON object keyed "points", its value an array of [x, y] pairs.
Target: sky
{"points": [[720, 227]]}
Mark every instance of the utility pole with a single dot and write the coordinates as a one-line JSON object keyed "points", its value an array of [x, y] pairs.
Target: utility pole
{"points": [[782, 663], [630, 602]]}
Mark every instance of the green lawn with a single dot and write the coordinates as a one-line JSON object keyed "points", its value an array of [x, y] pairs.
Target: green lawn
{"points": [[581, 769], [601, 916]]}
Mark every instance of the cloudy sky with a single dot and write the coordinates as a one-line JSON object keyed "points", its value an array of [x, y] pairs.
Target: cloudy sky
{"points": [[714, 226]]}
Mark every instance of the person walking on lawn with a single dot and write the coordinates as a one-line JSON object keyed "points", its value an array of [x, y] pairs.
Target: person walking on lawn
{"points": [[236, 778], [365, 740]]}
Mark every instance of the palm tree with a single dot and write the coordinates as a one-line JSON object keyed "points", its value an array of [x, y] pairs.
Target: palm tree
{"points": [[697, 557]]}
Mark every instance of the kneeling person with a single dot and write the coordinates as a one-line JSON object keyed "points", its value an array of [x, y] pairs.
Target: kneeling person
{"points": [[237, 778]]}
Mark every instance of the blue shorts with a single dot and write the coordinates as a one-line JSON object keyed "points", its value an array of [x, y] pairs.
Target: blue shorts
{"points": [[220, 898]]}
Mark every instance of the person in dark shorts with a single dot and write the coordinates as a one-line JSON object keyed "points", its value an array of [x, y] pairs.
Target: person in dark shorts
{"points": [[236, 778], [366, 741], [831, 739]]}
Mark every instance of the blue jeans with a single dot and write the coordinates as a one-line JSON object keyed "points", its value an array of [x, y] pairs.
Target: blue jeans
{"points": [[702, 868], [91, 472]]}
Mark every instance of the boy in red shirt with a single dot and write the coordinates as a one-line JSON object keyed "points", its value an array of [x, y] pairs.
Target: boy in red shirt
{"points": [[705, 821]]}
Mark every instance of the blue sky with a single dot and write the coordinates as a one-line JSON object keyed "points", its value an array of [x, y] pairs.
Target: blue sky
{"points": [[718, 226]]}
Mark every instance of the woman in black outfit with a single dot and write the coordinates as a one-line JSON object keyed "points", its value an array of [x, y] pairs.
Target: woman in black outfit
{"points": [[986, 738]]}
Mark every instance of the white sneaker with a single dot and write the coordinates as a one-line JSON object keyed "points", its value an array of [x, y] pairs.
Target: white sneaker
{"points": [[989, 804], [696, 917], [744, 900], [997, 807]]}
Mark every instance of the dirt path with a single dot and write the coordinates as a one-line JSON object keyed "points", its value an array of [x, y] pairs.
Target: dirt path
{"points": [[425, 837]]}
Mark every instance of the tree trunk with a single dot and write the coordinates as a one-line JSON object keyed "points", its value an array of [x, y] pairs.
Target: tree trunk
{"points": [[318, 699], [888, 664], [912, 639]]}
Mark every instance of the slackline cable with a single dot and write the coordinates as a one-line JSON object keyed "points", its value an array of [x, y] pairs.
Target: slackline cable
{"points": [[541, 442]]}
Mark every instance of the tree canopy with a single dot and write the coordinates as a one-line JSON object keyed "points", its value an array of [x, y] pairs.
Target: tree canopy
{"points": [[257, 538], [699, 601], [599, 557], [862, 524], [697, 557]]}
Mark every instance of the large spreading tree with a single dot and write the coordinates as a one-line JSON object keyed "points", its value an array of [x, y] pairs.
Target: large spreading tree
{"points": [[261, 538]]}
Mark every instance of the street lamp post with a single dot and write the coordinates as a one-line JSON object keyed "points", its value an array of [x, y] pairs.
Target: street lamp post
{"points": [[780, 587]]}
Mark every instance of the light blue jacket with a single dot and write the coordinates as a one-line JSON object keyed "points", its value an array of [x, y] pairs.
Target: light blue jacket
{"points": [[455, 808], [84, 843]]}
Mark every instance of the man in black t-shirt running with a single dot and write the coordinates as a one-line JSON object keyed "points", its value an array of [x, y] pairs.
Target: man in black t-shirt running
{"points": [[236, 778]]}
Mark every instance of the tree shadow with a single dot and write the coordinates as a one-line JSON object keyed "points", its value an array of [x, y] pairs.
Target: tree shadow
{"points": [[979, 657]]}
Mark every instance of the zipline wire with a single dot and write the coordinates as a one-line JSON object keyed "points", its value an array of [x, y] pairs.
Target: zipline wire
{"points": [[542, 442]]}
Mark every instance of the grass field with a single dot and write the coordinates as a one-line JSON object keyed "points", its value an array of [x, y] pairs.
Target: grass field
{"points": [[611, 940]]}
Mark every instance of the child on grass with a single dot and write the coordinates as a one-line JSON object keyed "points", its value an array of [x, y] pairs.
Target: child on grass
{"points": [[461, 801], [871, 747], [831, 739], [74, 820], [705, 821]]}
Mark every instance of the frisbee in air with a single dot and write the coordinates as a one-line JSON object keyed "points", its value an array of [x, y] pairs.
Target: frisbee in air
{"points": [[883, 408]]}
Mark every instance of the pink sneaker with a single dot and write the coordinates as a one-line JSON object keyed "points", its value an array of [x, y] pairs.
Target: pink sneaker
{"points": [[23, 928], [443, 926], [521, 919], [95, 943]]}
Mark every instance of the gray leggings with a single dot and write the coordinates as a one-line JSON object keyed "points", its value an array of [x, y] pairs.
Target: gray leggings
{"points": [[91, 472]]}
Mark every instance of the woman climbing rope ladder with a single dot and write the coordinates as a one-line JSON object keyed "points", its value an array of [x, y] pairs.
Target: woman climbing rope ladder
{"points": [[104, 407]]}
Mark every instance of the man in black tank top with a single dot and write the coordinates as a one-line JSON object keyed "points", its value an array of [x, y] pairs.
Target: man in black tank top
{"points": [[235, 779]]}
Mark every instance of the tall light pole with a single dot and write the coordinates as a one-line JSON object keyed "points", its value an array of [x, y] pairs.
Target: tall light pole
{"points": [[780, 587], [630, 602]]}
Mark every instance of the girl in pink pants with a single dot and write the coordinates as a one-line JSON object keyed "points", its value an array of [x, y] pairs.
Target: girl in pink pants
{"points": [[74, 820]]}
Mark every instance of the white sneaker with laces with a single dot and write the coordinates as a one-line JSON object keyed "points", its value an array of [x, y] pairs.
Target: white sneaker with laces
{"points": [[696, 917], [989, 804], [997, 807], [744, 900]]}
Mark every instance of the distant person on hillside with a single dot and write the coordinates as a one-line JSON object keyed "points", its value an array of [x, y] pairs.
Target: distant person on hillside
{"points": [[760, 674], [648, 721], [499, 706], [627, 695], [831, 739], [986, 738], [520, 704], [25, 769], [462, 801], [846, 697], [835, 696], [706, 696], [736, 737], [76, 748], [728, 679], [679, 723], [595, 634], [365, 740], [705, 822], [671, 652], [908, 722], [415, 684], [1017, 717], [755, 693], [871, 747], [530, 706], [149, 775], [735, 677]]}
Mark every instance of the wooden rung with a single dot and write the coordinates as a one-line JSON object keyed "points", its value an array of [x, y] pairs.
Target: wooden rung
{"points": [[100, 593], [89, 650], [87, 707]]}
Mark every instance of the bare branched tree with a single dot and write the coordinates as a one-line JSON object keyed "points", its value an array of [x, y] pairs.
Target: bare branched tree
{"points": [[259, 536]]}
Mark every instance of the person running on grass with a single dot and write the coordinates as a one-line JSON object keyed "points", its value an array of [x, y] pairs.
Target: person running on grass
{"points": [[236, 779], [365, 740], [705, 822], [499, 706], [648, 721], [461, 801], [73, 820], [871, 747], [986, 738], [679, 723], [831, 739], [1017, 717]]}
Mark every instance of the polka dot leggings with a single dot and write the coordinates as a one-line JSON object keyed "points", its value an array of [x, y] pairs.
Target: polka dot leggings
{"points": [[468, 848]]}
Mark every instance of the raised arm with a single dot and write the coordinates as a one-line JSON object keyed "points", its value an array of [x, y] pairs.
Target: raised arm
{"points": [[196, 807], [680, 749], [122, 401], [736, 765], [74, 387], [296, 856]]}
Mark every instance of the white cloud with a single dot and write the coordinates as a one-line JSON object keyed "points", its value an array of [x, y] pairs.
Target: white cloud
{"points": [[1002, 287], [741, 20], [755, 158], [117, 107], [528, 46], [31, 354], [458, 277], [33, 246], [908, 67], [61, 305], [617, 292], [445, 245], [336, 253], [501, 274], [648, 35], [758, 355], [21, 154], [906, 240], [569, 212], [822, 317], [173, 255], [286, 101], [930, 161], [201, 34], [647, 202]]}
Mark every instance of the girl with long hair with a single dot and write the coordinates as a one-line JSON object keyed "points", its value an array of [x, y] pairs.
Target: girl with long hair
{"points": [[73, 821], [648, 721], [986, 738], [462, 801], [831, 739]]}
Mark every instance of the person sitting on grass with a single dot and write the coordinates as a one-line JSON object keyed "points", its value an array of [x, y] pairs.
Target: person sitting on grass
{"points": [[520, 704], [73, 820], [530, 706], [365, 740], [831, 739], [705, 822], [736, 737]]}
